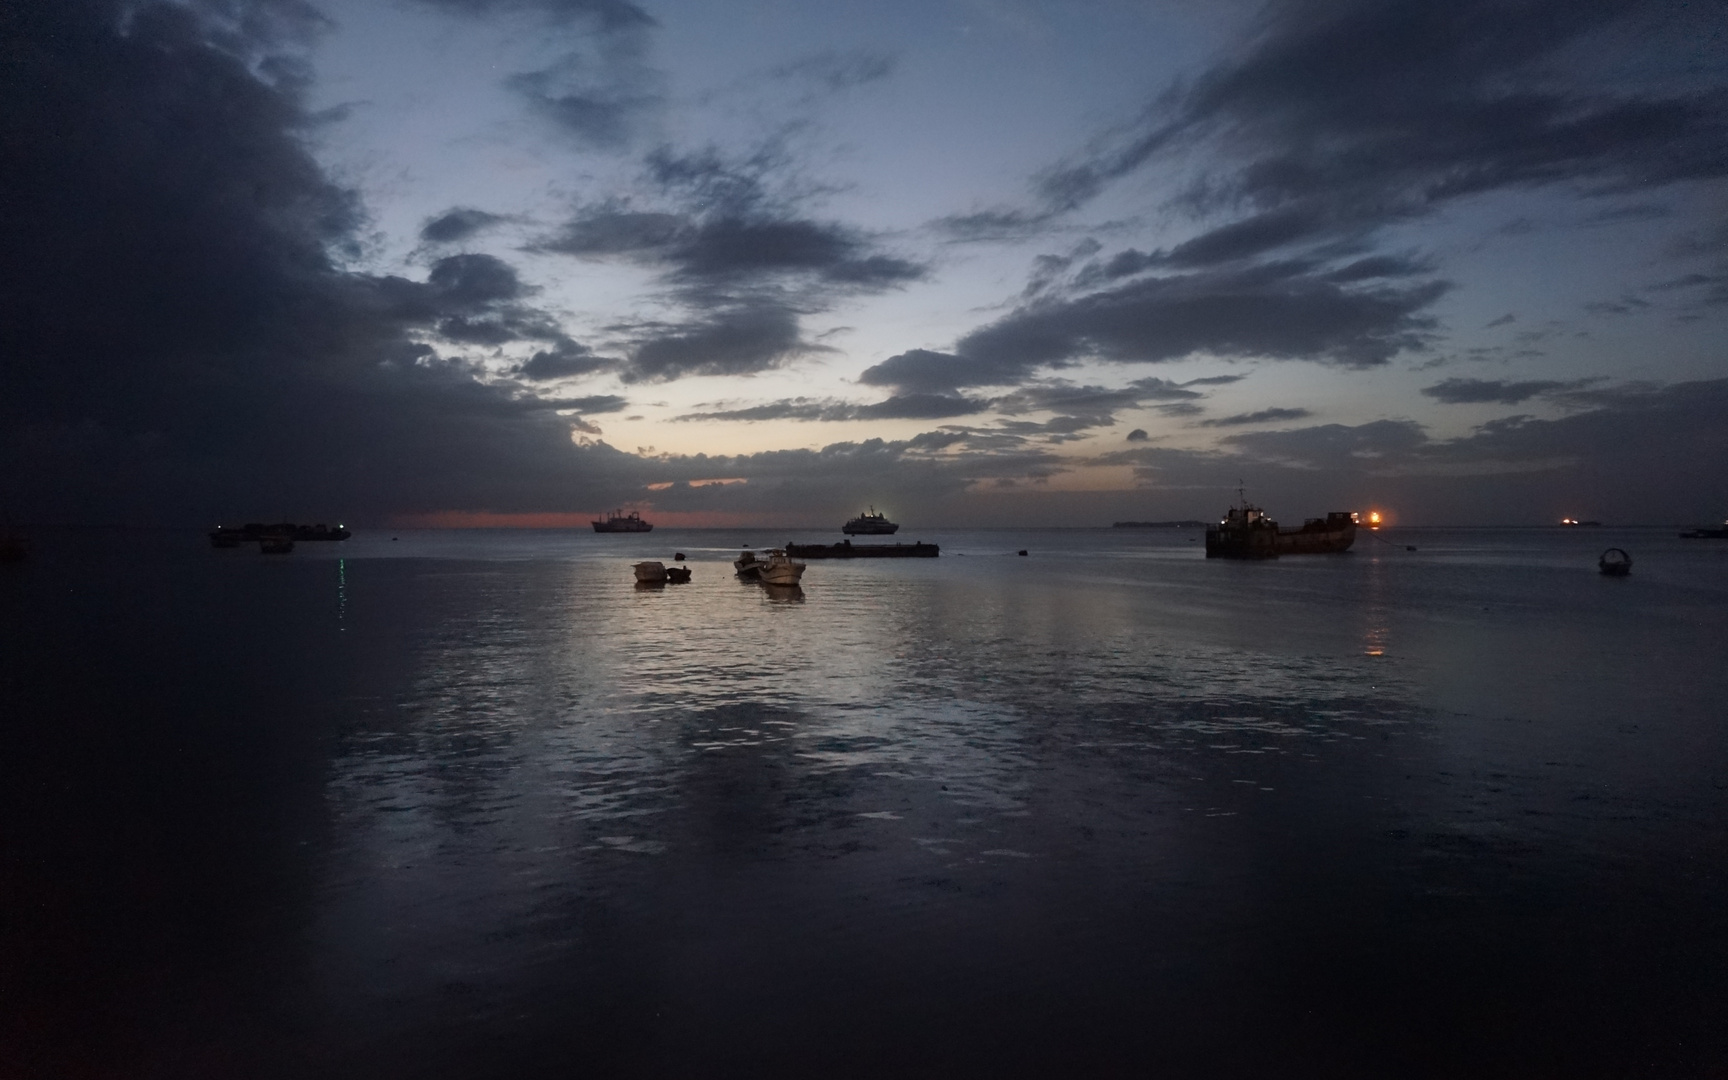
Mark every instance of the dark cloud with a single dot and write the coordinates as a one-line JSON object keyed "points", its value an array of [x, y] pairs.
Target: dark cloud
{"points": [[604, 115], [739, 341], [180, 342], [741, 258], [457, 224], [566, 359], [834, 71], [610, 16], [900, 407], [1273, 312], [1262, 416], [1363, 112], [1333, 446], [595, 403], [1498, 391], [924, 371]]}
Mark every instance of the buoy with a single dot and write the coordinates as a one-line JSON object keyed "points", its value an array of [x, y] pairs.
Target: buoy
{"points": [[1022, 551], [678, 557]]}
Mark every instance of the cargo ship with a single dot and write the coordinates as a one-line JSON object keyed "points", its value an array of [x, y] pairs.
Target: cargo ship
{"points": [[619, 521], [870, 523], [1247, 533]]}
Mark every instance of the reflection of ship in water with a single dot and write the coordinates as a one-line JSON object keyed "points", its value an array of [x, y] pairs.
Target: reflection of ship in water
{"points": [[619, 521], [1247, 533]]}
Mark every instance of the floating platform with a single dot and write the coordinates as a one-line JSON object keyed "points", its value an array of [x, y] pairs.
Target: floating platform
{"points": [[846, 549]]}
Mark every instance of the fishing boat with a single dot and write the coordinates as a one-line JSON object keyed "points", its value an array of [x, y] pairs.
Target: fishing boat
{"points": [[1706, 533], [677, 575], [650, 573], [870, 523], [620, 522], [1247, 533], [779, 568], [748, 566]]}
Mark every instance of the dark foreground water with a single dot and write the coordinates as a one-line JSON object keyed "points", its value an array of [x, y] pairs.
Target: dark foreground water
{"points": [[473, 805]]}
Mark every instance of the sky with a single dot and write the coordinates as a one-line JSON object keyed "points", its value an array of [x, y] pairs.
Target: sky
{"points": [[975, 263]]}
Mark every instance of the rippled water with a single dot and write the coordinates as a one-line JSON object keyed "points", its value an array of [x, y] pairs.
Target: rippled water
{"points": [[474, 804]]}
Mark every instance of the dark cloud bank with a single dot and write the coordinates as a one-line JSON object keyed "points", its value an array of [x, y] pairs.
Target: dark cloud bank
{"points": [[182, 343]]}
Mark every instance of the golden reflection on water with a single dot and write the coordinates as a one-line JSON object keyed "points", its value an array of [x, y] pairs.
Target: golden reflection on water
{"points": [[1376, 614]]}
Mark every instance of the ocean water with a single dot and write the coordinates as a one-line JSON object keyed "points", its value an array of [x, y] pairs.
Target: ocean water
{"points": [[473, 804]]}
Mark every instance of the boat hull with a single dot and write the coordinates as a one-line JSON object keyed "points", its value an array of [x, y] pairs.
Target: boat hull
{"points": [[848, 550], [1311, 541], [621, 527], [853, 528], [650, 573], [1245, 536]]}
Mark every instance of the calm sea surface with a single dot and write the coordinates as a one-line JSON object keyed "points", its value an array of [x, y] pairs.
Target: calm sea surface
{"points": [[472, 804]]}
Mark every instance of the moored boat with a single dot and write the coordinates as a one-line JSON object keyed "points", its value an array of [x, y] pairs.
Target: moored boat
{"points": [[870, 523], [779, 569], [677, 575], [620, 522], [1706, 533], [650, 573], [748, 565], [1247, 533]]}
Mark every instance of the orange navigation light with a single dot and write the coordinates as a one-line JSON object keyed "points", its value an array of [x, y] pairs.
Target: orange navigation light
{"points": [[1373, 519]]}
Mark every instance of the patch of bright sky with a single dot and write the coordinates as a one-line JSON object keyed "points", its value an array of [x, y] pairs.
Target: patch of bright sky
{"points": [[980, 96]]}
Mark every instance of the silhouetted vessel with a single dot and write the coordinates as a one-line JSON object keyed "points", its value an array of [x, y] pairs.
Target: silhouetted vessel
{"points": [[254, 532], [870, 523], [846, 549], [1706, 533], [1614, 563], [1247, 533], [619, 521]]}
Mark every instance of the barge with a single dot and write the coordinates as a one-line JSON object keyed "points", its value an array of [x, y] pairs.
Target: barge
{"points": [[846, 549]]}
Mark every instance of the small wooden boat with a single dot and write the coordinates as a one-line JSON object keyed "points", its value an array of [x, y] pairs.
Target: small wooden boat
{"points": [[650, 573], [677, 575], [780, 569], [1614, 563], [748, 566]]}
